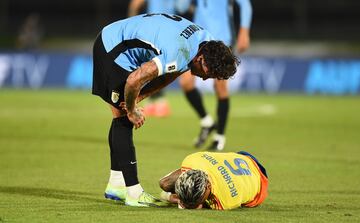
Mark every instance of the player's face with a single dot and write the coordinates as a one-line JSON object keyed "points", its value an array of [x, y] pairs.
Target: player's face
{"points": [[198, 68], [207, 193]]}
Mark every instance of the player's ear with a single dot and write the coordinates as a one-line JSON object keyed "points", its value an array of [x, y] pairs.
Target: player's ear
{"points": [[175, 198], [208, 186], [199, 207], [200, 57], [197, 58]]}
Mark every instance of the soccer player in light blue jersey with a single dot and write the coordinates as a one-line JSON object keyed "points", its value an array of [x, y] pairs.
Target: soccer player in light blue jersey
{"points": [[157, 105], [153, 6], [216, 17], [133, 59]]}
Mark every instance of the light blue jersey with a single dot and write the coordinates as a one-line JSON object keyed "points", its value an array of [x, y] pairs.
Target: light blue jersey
{"points": [[169, 40], [216, 16], [161, 6]]}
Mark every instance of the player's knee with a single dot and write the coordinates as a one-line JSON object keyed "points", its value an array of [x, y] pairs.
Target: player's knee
{"points": [[116, 113], [221, 89], [222, 95], [187, 83]]}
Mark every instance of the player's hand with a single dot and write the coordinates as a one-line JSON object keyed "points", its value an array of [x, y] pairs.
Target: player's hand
{"points": [[243, 40], [137, 117]]}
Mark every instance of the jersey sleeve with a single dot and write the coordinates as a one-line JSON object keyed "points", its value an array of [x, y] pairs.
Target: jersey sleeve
{"points": [[175, 60], [245, 13]]}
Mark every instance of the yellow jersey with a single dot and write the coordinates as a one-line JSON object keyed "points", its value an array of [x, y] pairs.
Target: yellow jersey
{"points": [[234, 178]]}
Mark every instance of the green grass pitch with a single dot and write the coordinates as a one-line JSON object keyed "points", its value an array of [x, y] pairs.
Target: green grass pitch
{"points": [[54, 157]]}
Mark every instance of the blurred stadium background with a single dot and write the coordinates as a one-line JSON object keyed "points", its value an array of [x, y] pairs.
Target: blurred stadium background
{"points": [[301, 46], [295, 106]]}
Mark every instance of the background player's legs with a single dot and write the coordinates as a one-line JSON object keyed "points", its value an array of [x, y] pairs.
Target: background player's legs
{"points": [[187, 83], [223, 105], [157, 105]]}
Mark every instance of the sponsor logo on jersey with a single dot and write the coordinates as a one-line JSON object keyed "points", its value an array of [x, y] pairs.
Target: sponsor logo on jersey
{"points": [[171, 67]]}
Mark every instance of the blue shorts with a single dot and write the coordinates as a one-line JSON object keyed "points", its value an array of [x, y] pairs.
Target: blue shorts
{"points": [[263, 170]]}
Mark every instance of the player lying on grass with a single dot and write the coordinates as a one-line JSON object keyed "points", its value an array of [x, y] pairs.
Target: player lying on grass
{"points": [[218, 181]]}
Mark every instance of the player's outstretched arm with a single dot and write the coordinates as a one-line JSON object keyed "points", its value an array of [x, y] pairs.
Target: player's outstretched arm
{"points": [[243, 40], [167, 183]]}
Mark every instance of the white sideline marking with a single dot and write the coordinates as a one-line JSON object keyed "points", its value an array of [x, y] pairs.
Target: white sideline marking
{"points": [[253, 111], [246, 111]]}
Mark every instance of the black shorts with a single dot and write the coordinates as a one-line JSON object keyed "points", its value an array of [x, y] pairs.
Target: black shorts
{"points": [[109, 78]]}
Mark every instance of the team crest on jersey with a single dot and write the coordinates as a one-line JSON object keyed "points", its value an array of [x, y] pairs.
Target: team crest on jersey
{"points": [[114, 96], [171, 67]]}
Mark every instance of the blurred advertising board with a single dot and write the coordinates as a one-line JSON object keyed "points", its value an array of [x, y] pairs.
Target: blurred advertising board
{"points": [[336, 76]]}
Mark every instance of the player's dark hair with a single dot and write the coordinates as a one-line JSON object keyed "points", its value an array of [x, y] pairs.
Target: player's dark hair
{"points": [[218, 59], [190, 187]]}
